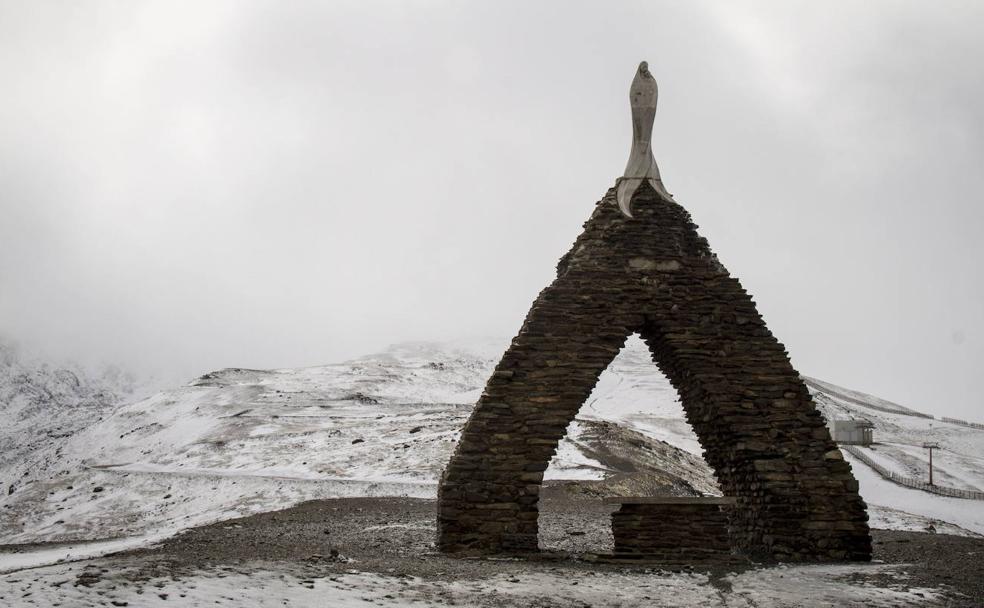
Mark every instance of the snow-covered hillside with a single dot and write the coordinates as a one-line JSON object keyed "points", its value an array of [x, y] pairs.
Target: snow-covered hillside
{"points": [[900, 432], [240, 441], [43, 405]]}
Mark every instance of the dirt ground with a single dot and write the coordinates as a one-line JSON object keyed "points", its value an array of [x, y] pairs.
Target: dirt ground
{"points": [[395, 536], [380, 552]]}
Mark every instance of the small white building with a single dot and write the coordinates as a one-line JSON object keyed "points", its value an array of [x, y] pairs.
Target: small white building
{"points": [[853, 432]]}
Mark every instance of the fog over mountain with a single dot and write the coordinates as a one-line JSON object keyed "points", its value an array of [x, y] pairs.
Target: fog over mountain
{"points": [[192, 186]]}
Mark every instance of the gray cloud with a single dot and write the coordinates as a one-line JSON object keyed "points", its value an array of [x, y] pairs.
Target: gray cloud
{"points": [[185, 186]]}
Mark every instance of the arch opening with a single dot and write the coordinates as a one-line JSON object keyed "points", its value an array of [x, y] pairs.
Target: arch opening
{"points": [[629, 439]]}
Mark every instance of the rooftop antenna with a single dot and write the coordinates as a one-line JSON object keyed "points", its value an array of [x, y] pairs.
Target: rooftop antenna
{"points": [[642, 164]]}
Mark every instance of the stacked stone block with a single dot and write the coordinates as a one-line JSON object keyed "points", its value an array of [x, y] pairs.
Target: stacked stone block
{"points": [[796, 498], [673, 530]]}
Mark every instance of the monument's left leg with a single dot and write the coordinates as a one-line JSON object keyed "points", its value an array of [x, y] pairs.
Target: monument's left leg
{"points": [[488, 496]]}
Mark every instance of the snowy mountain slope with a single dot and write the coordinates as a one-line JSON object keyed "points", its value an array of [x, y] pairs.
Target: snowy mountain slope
{"points": [[893, 506], [899, 434], [43, 405], [635, 394], [240, 441], [627, 463], [857, 399]]}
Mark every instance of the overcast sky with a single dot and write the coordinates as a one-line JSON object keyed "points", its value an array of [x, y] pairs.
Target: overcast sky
{"points": [[186, 186]]}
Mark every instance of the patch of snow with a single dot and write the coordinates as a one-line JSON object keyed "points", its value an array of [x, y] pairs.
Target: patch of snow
{"points": [[876, 490], [13, 561], [274, 584], [570, 461], [829, 586], [887, 518]]}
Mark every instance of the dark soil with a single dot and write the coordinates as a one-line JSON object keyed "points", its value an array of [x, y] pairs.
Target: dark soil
{"points": [[956, 562], [386, 535], [396, 536]]}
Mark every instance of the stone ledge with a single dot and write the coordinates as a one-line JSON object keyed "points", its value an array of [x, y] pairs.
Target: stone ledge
{"points": [[671, 500], [718, 559]]}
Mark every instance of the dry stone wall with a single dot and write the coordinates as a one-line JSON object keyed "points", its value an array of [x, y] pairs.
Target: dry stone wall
{"points": [[796, 498], [673, 530]]}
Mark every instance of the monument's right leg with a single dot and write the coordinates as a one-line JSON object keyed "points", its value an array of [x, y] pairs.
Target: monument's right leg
{"points": [[762, 434]]}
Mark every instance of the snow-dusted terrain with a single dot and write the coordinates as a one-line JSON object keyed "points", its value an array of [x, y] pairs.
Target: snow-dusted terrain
{"points": [[42, 405], [899, 435], [272, 585], [238, 441]]}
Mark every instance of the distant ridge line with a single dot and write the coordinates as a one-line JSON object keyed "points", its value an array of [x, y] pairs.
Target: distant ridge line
{"points": [[832, 390]]}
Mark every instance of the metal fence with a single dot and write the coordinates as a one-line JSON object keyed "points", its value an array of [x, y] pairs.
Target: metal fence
{"points": [[909, 482], [975, 425], [830, 391]]}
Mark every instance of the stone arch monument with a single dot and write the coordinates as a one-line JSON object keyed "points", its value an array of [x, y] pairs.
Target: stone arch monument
{"points": [[641, 267]]}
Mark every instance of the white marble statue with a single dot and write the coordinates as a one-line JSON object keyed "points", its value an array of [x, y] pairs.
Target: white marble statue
{"points": [[642, 165]]}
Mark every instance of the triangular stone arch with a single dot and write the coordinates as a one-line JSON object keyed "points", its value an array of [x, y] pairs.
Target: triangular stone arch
{"points": [[653, 274]]}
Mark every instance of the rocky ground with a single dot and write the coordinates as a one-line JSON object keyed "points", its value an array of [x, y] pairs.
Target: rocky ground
{"points": [[379, 551]]}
